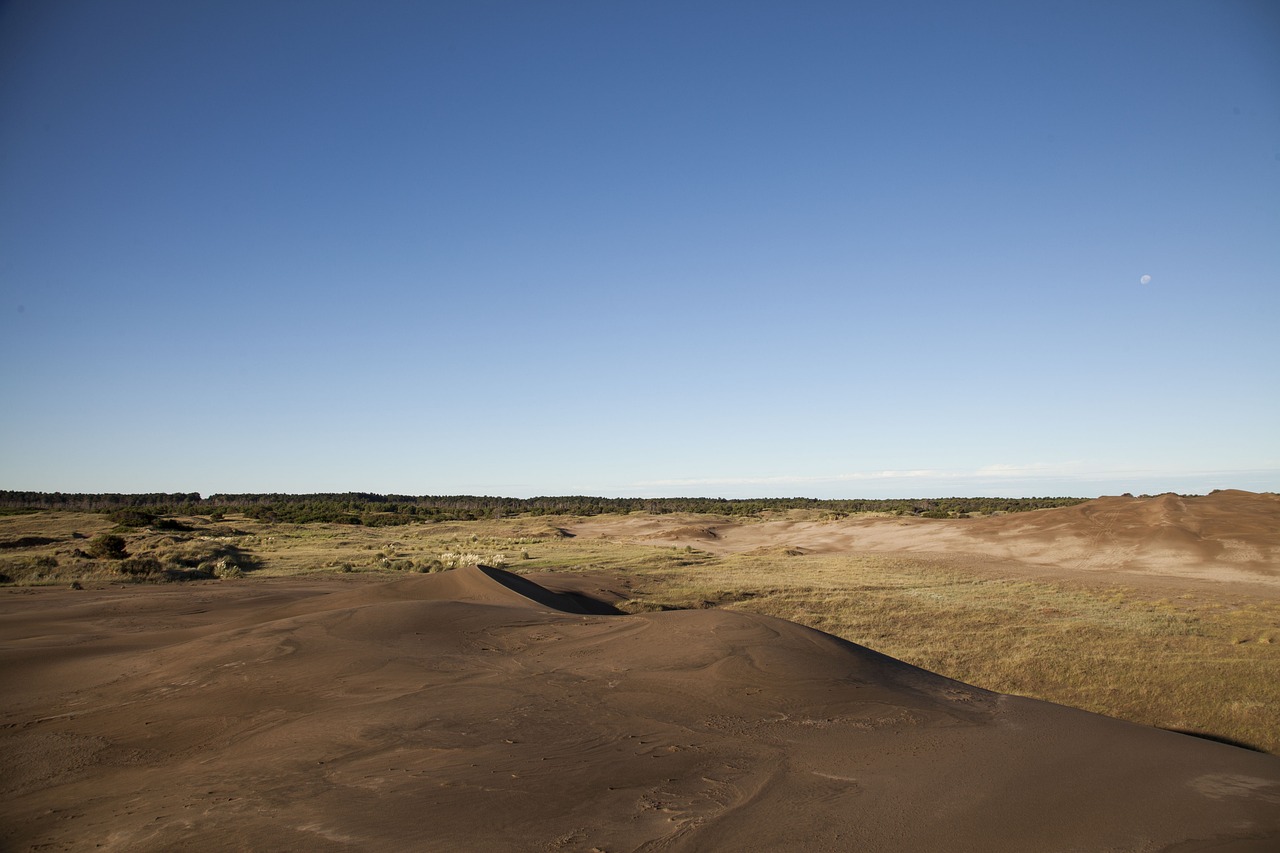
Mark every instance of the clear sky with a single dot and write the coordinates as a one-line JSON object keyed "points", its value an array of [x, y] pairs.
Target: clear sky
{"points": [[640, 248]]}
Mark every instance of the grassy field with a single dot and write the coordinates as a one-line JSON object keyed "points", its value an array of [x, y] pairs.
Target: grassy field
{"points": [[1209, 665]]}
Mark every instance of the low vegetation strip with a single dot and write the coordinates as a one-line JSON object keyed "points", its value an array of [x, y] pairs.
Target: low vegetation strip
{"points": [[359, 508]]}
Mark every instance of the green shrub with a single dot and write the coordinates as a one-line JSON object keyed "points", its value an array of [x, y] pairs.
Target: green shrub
{"points": [[205, 558], [107, 546], [385, 519], [141, 567], [132, 517], [28, 569], [224, 570]]}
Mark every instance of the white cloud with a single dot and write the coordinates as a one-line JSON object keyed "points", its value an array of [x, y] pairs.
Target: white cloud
{"points": [[762, 481], [1003, 478]]}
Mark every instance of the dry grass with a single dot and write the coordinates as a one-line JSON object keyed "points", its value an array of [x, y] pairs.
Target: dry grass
{"points": [[1202, 664]]}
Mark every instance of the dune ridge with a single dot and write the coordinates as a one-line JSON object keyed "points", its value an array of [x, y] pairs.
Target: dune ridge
{"points": [[476, 709], [1227, 537]]}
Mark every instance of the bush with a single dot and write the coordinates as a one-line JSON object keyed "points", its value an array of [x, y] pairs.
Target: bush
{"points": [[224, 569], [208, 557], [141, 567], [27, 569], [384, 519], [132, 517], [107, 546]]}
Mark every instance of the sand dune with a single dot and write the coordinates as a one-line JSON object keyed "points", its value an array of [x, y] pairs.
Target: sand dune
{"points": [[1225, 537], [479, 710]]}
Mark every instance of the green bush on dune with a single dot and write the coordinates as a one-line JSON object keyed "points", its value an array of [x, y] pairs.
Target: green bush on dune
{"points": [[107, 546]]}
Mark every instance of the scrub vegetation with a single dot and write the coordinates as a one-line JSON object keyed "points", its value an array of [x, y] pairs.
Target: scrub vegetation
{"points": [[372, 510]]}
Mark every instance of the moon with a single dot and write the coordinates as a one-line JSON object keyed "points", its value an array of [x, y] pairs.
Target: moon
{"points": [[1146, 279]]}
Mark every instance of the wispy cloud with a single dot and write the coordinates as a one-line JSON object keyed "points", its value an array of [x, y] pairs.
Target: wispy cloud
{"points": [[1002, 477], [996, 470], [764, 481], [1030, 469]]}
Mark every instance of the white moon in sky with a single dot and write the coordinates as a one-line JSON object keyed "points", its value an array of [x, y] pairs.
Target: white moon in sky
{"points": [[1146, 279]]}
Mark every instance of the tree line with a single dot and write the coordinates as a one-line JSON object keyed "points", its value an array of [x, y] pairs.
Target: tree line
{"points": [[374, 510]]}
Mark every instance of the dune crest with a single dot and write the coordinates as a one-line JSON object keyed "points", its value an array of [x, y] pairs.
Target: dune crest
{"points": [[1225, 537], [476, 709]]}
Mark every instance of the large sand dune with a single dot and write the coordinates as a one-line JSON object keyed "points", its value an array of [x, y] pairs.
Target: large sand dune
{"points": [[1228, 537], [478, 710]]}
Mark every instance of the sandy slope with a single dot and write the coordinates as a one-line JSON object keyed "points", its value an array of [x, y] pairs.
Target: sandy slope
{"points": [[477, 710], [1228, 537]]}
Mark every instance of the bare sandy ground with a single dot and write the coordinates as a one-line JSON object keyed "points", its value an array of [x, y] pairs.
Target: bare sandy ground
{"points": [[475, 710], [1228, 538]]}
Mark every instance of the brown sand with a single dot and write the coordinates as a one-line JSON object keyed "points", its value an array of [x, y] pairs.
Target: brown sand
{"points": [[475, 710], [1226, 538]]}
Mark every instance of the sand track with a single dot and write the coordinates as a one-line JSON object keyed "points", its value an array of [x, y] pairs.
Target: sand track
{"points": [[479, 710]]}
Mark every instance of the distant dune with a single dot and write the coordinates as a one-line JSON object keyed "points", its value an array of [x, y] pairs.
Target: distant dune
{"points": [[1225, 537], [478, 710]]}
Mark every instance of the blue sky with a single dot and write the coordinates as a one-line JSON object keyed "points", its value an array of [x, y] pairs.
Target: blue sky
{"points": [[708, 248]]}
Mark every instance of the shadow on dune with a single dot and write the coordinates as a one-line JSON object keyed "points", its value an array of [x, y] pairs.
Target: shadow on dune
{"points": [[1219, 739], [569, 601]]}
